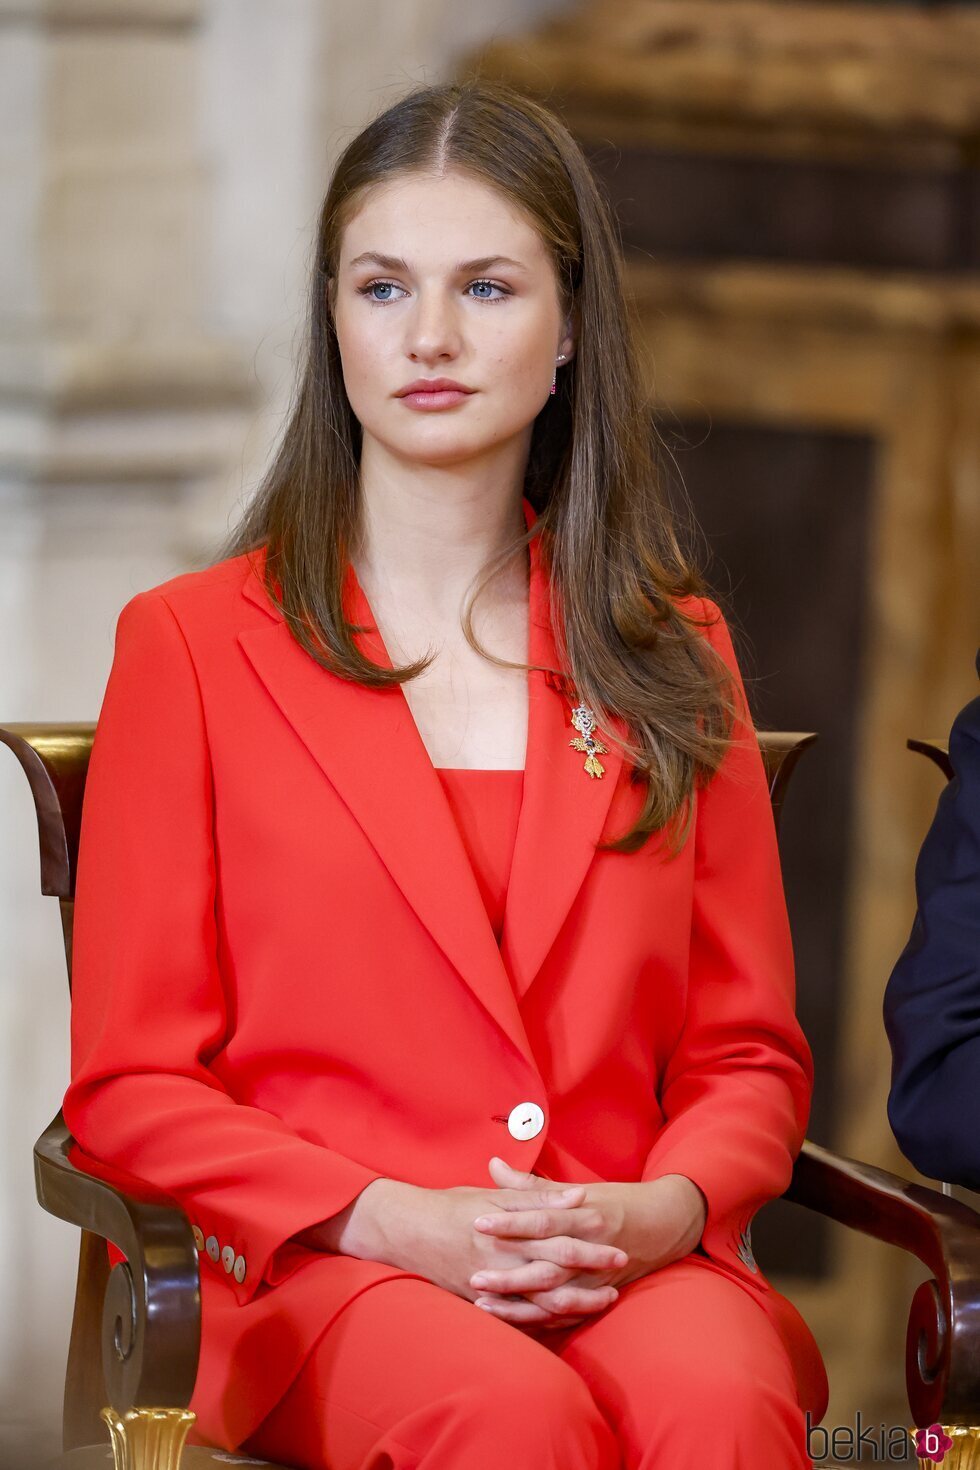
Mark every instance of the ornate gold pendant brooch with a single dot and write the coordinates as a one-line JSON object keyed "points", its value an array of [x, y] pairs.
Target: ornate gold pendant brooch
{"points": [[584, 721]]}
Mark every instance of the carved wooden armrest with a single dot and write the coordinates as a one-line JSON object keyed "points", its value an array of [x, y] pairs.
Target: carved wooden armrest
{"points": [[151, 1316], [942, 1356]]}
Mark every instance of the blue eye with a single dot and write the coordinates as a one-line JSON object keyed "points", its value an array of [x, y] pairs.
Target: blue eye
{"points": [[375, 286], [372, 286], [493, 287]]}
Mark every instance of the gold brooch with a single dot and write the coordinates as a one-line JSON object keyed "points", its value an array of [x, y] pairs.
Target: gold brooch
{"points": [[584, 721]]}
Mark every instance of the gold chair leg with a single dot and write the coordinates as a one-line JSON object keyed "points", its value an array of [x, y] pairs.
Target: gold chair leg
{"points": [[148, 1439], [963, 1453]]}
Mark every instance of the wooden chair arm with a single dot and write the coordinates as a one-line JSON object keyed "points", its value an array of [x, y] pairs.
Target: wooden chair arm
{"points": [[151, 1315], [942, 1346], [54, 758], [938, 753]]}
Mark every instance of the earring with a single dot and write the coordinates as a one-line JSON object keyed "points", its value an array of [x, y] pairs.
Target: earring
{"points": [[554, 380]]}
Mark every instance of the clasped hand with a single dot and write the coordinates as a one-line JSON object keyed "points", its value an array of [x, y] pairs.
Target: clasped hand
{"points": [[636, 1227]]}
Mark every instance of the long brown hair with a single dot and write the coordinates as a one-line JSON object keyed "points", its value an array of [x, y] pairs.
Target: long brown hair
{"points": [[608, 535]]}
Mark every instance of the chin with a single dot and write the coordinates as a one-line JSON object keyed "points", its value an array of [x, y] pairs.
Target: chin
{"points": [[444, 448]]}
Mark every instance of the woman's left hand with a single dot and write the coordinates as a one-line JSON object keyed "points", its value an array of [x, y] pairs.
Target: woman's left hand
{"points": [[652, 1222]]}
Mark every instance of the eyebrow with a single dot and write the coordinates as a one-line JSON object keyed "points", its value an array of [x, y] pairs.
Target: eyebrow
{"points": [[395, 262]]}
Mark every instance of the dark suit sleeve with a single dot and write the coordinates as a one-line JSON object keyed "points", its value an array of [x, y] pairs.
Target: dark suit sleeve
{"points": [[932, 999]]}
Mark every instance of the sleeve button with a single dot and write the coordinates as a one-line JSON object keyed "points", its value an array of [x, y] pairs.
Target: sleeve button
{"points": [[228, 1259], [239, 1269], [213, 1249]]}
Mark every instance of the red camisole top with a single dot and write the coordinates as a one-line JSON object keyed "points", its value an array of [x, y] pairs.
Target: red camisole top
{"points": [[486, 805]]}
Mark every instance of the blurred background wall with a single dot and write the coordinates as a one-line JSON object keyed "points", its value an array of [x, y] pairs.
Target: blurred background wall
{"points": [[799, 198]]}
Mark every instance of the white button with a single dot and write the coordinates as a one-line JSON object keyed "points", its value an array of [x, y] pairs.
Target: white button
{"points": [[239, 1269], [228, 1259], [199, 1237], [525, 1121], [213, 1249]]}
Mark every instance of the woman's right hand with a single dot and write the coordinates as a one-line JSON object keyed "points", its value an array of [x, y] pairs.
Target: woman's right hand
{"points": [[431, 1231]]}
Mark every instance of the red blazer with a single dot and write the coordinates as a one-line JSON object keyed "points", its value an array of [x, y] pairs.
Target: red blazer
{"points": [[286, 984]]}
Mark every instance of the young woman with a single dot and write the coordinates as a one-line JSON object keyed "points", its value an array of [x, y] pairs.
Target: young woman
{"points": [[431, 947]]}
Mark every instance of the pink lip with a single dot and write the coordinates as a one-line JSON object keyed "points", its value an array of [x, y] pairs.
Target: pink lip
{"points": [[429, 402], [432, 385]]}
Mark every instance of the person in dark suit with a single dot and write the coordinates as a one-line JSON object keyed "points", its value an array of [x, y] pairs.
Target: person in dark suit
{"points": [[932, 999]]}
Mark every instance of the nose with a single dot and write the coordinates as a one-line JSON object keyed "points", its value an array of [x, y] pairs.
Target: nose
{"points": [[433, 328]]}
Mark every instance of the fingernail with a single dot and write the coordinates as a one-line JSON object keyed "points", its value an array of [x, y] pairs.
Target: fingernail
{"points": [[485, 1305], [478, 1281], [483, 1220]]}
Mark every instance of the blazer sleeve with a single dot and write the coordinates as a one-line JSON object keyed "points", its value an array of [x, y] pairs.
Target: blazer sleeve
{"points": [[736, 1091], [149, 1005], [932, 999]]}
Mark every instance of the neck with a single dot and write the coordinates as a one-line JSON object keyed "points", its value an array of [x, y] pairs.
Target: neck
{"points": [[427, 545]]}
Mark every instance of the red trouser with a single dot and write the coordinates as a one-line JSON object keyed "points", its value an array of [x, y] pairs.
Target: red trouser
{"points": [[684, 1369]]}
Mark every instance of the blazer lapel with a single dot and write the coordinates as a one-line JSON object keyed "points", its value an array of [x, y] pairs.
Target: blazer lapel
{"points": [[367, 744], [564, 809]]}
